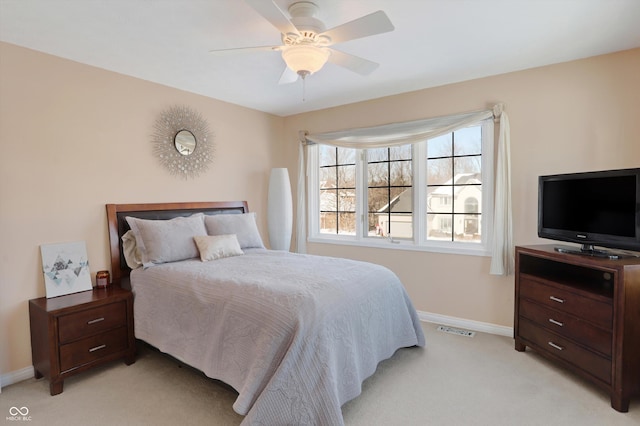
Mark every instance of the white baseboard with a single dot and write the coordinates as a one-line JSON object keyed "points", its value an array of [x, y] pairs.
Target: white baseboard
{"points": [[16, 376], [483, 327]]}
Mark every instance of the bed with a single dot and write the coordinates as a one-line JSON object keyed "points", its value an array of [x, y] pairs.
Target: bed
{"points": [[295, 335]]}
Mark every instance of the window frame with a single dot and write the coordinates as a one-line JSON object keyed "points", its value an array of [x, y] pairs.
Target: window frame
{"points": [[419, 241]]}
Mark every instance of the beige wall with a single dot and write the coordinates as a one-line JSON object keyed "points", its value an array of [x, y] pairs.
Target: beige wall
{"points": [[577, 116], [74, 138]]}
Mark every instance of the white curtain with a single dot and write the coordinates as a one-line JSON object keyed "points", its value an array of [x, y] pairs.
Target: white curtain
{"points": [[502, 258], [398, 133], [412, 132], [301, 208]]}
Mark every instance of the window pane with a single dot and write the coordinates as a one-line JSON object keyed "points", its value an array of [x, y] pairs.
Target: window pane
{"points": [[401, 200], [378, 174], [468, 141], [346, 156], [346, 200], [377, 154], [327, 177], [377, 198], [440, 146], [328, 200], [440, 200], [439, 227], [468, 165], [468, 228], [327, 155], [401, 226], [468, 199], [373, 227], [347, 223], [439, 171], [400, 152], [401, 173], [346, 176], [328, 223]]}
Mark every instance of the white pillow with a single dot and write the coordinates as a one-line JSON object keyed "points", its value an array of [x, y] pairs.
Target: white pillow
{"points": [[130, 250], [243, 225], [161, 241], [214, 247]]}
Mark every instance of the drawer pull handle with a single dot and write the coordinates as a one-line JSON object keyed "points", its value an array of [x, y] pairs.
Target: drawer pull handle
{"points": [[97, 348], [556, 299], [558, 347], [95, 320], [552, 321]]}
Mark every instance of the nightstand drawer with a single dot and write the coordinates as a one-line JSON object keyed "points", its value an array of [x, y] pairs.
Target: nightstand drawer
{"points": [[595, 311], [568, 325], [549, 342], [93, 348], [91, 321]]}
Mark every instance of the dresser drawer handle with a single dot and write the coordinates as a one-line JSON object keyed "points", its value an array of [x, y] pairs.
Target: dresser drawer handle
{"points": [[558, 347], [556, 299], [95, 320], [97, 348], [552, 321]]}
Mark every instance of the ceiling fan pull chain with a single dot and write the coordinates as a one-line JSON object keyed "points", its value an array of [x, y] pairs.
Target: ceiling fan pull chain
{"points": [[304, 88]]}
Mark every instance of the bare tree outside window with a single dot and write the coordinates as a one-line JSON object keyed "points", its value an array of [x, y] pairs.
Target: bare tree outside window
{"points": [[337, 190], [389, 192]]}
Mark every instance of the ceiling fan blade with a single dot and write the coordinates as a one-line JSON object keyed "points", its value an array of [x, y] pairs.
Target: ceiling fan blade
{"points": [[352, 62], [372, 24], [288, 76], [272, 13], [235, 50]]}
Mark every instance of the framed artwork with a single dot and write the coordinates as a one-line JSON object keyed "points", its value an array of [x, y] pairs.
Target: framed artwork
{"points": [[66, 268]]}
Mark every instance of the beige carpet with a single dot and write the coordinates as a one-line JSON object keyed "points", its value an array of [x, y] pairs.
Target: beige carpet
{"points": [[455, 380]]}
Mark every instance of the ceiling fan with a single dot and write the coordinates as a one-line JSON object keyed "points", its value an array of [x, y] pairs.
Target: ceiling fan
{"points": [[305, 42]]}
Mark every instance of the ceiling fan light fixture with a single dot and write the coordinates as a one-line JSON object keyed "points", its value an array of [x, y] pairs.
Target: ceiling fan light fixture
{"points": [[305, 59]]}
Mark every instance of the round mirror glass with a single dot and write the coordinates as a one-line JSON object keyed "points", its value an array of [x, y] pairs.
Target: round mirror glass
{"points": [[185, 142]]}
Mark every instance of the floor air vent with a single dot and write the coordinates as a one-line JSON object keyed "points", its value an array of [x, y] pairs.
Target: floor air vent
{"points": [[458, 331]]}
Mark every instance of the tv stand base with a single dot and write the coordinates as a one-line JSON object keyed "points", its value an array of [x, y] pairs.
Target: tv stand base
{"points": [[588, 250]]}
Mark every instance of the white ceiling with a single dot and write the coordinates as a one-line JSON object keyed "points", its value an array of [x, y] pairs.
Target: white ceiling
{"points": [[435, 42]]}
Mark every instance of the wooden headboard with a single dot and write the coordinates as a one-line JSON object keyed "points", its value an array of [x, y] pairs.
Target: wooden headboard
{"points": [[118, 226]]}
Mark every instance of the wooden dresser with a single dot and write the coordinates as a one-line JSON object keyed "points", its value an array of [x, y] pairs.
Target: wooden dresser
{"points": [[72, 333], [584, 313]]}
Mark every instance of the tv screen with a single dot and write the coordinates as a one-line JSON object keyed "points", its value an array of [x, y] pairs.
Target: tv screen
{"points": [[593, 208]]}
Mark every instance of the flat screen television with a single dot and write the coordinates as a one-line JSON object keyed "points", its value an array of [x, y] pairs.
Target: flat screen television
{"points": [[593, 209]]}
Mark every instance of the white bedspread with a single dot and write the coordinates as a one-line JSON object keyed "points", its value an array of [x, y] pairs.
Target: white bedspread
{"points": [[295, 335]]}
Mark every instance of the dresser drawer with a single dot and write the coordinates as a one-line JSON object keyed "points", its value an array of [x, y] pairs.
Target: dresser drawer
{"points": [[73, 355], [547, 341], [91, 321], [569, 326], [595, 311]]}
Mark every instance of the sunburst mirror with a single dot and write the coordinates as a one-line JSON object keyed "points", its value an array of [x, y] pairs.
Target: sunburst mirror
{"points": [[182, 142]]}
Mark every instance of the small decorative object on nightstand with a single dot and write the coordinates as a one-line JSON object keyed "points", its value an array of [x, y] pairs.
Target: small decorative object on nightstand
{"points": [[73, 333], [102, 279]]}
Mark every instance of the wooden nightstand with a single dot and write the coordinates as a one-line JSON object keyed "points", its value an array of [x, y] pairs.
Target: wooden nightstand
{"points": [[72, 333]]}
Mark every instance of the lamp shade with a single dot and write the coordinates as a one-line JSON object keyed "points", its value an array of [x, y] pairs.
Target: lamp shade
{"points": [[279, 210], [304, 58]]}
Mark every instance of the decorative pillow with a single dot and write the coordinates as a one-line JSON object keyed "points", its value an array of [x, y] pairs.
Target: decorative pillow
{"points": [[214, 247], [161, 241], [130, 250], [242, 225]]}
